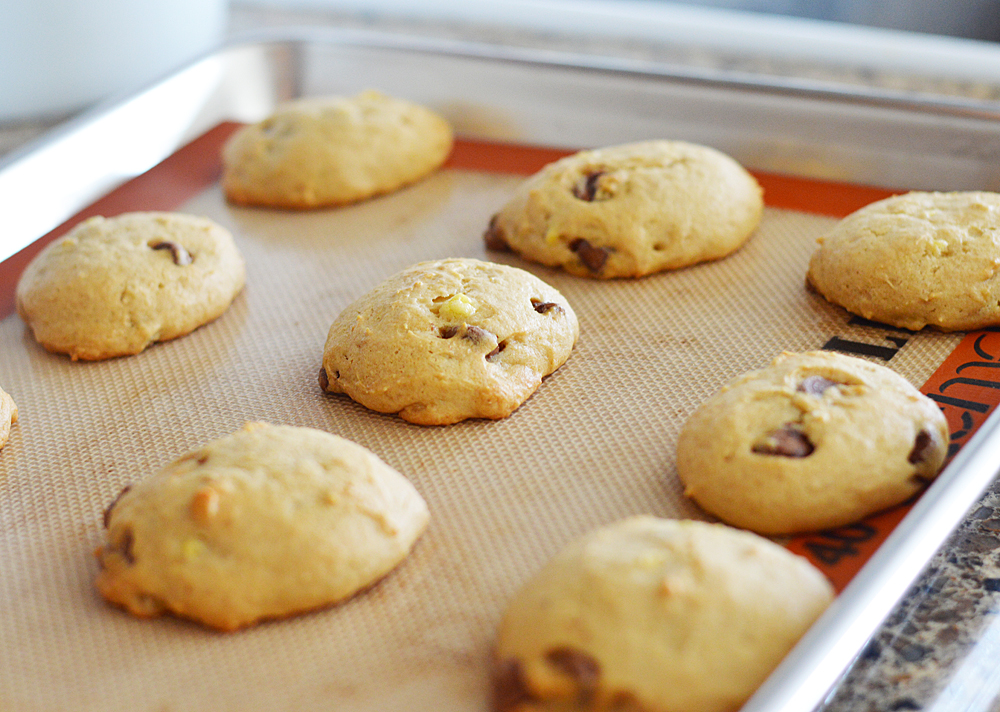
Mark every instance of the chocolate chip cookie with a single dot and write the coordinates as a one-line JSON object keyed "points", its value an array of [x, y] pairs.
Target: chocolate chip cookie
{"points": [[264, 523], [815, 440], [448, 340], [654, 614], [330, 151], [113, 286], [631, 210], [914, 260], [8, 416]]}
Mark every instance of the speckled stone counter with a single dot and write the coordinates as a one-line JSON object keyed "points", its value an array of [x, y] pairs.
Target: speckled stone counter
{"points": [[938, 648]]}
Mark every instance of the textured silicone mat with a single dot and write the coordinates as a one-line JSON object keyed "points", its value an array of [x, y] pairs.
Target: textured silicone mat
{"points": [[594, 444]]}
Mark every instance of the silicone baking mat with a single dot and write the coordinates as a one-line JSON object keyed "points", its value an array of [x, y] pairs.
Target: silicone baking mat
{"points": [[593, 445]]}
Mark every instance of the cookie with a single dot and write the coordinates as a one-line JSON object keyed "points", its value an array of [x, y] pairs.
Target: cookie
{"points": [[631, 210], [816, 440], [448, 340], [654, 614], [914, 260], [331, 151], [264, 523], [8, 416], [113, 286]]}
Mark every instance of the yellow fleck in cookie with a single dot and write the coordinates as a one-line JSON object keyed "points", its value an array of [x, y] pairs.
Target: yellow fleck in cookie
{"points": [[814, 441], [448, 340], [654, 614], [113, 286], [333, 150], [264, 523], [8, 416], [631, 210], [915, 260]]}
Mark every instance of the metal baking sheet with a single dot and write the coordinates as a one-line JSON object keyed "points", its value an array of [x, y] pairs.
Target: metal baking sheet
{"points": [[109, 423]]}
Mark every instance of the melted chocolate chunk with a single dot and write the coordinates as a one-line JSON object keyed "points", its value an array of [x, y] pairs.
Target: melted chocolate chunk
{"points": [[593, 257], [816, 385], [107, 511], [125, 547], [786, 441], [922, 446], [545, 307], [324, 380], [446, 332], [586, 187], [510, 690], [181, 256], [491, 356], [494, 237], [475, 334], [575, 664]]}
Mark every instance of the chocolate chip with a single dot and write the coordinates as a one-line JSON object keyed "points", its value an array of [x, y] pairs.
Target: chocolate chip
{"points": [[497, 351], [324, 380], [125, 546], [107, 511], [593, 257], [579, 666], [494, 237], [470, 332], [816, 385], [786, 441], [510, 689], [922, 446], [181, 256], [586, 187], [545, 307], [624, 700], [475, 334]]}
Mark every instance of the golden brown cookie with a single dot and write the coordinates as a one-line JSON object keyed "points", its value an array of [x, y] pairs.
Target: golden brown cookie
{"points": [[448, 340], [8, 416], [333, 150], [113, 286], [654, 614], [631, 210], [264, 523], [813, 441], [914, 260]]}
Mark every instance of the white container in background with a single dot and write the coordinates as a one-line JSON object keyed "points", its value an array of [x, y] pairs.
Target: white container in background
{"points": [[58, 56]]}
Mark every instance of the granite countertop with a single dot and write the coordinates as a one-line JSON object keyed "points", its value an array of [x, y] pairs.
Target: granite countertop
{"points": [[938, 648]]}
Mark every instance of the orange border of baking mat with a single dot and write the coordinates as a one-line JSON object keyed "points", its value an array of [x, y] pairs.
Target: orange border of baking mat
{"points": [[966, 385], [967, 389]]}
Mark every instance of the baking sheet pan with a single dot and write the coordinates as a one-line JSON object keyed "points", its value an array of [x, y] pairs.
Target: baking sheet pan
{"points": [[594, 444]]}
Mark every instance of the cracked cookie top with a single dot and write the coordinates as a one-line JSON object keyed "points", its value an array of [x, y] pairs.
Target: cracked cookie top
{"points": [[815, 440], [914, 260], [327, 151], [113, 286], [448, 340], [654, 614], [264, 523], [631, 210]]}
